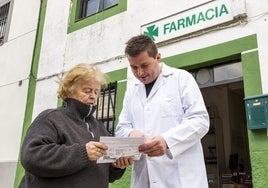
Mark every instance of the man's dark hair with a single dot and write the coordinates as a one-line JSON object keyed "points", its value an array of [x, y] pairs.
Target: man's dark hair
{"points": [[139, 44]]}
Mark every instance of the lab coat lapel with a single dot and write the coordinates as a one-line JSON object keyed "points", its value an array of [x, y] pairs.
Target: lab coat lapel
{"points": [[158, 83], [141, 93], [161, 80]]}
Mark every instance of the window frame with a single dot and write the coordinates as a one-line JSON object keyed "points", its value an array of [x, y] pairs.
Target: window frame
{"points": [[8, 20], [75, 23], [83, 10]]}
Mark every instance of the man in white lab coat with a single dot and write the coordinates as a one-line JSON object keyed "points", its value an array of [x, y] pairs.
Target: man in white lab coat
{"points": [[167, 108]]}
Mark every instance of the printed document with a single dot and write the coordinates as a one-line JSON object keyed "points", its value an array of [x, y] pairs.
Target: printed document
{"points": [[121, 147]]}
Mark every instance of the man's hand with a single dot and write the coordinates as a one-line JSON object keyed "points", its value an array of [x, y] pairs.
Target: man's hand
{"points": [[136, 133], [156, 146]]}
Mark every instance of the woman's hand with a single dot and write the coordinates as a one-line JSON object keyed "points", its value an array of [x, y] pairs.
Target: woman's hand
{"points": [[95, 150], [123, 162]]}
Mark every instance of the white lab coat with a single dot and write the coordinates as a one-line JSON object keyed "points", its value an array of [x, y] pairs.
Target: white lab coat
{"points": [[175, 110]]}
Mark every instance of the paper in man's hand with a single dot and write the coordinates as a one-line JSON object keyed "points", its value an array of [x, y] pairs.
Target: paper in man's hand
{"points": [[120, 147]]}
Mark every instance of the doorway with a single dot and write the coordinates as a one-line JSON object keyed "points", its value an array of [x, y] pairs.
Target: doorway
{"points": [[225, 146]]}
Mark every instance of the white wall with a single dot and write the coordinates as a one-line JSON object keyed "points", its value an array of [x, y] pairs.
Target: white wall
{"points": [[15, 64], [16, 57], [259, 23], [12, 100], [24, 18]]}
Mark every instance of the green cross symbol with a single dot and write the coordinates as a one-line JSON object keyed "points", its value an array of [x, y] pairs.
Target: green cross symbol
{"points": [[152, 32]]}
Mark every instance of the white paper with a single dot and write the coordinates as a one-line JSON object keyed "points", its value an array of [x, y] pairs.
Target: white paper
{"points": [[120, 147]]}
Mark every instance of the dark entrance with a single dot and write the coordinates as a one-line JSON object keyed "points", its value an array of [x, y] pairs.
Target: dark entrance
{"points": [[226, 147]]}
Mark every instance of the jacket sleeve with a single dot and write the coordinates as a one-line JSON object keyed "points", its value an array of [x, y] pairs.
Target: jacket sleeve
{"points": [[115, 173], [43, 156]]}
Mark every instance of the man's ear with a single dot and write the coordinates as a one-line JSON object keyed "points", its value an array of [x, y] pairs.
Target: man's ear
{"points": [[158, 56]]}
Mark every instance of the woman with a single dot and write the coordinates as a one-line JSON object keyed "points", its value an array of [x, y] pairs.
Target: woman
{"points": [[61, 146]]}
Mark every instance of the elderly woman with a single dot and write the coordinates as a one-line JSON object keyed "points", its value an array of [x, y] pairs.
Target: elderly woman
{"points": [[62, 145]]}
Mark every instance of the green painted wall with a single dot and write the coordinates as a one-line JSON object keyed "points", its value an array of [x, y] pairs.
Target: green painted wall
{"points": [[258, 138], [251, 73], [120, 76]]}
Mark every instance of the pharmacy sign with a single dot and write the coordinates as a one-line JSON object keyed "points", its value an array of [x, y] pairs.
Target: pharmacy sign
{"points": [[199, 18]]}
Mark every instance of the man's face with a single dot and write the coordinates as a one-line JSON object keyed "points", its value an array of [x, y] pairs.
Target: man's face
{"points": [[145, 68]]}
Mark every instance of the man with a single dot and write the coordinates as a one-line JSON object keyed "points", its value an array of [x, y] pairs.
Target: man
{"points": [[167, 109]]}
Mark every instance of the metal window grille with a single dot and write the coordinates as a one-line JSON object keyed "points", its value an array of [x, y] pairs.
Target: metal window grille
{"points": [[3, 20], [106, 107]]}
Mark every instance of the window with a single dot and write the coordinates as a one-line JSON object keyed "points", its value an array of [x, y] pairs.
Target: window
{"points": [[106, 107], [87, 12], [218, 74], [4, 9], [90, 7]]}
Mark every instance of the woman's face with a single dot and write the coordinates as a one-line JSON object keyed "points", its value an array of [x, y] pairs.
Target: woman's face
{"points": [[86, 91]]}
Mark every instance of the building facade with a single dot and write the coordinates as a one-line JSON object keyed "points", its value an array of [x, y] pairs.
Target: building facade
{"points": [[18, 29], [221, 42]]}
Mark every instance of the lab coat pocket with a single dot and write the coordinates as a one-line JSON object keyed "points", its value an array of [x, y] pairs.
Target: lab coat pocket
{"points": [[192, 170], [170, 106]]}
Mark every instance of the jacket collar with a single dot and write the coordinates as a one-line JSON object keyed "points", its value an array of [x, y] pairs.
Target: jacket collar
{"points": [[81, 109]]}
